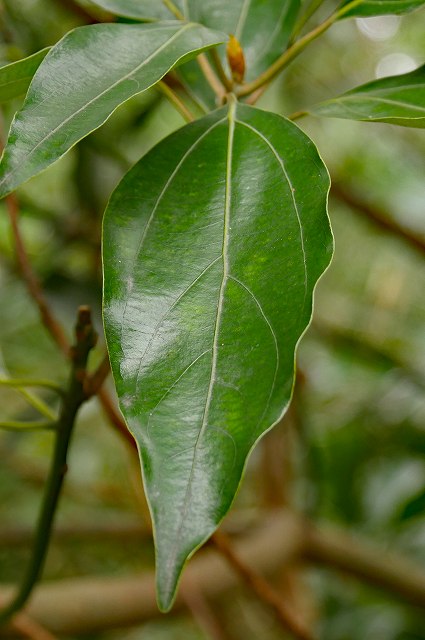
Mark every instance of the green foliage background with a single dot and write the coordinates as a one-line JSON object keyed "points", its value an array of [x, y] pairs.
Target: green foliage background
{"points": [[357, 443]]}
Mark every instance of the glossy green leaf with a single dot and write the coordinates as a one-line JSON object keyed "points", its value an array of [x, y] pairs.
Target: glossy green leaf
{"points": [[83, 79], [368, 8], [15, 78], [262, 27], [397, 100], [212, 246], [137, 9]]}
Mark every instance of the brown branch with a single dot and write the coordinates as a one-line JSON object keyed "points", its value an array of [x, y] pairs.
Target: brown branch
{"points": [[28, 628], [262, 589], [202, 612], [95, 381], [379, 217], [119, 602], [211, 77], [282, 540], [48, 317], [51, 323], [128, 530], [388, 571], [115, 418]]}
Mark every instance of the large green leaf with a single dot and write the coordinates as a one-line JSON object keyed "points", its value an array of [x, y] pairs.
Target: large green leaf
{"points": [[212, 246], [137, 9], [83, 79], [368, 8], [397, 100], [15, 78], [263, 27]]}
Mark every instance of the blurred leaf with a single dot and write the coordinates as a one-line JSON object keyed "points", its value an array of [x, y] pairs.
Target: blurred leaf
{"points": [[138, 9], [208, 288], [367, 8], [414, 507], [77, 87], [16, 77], [396, 100]]}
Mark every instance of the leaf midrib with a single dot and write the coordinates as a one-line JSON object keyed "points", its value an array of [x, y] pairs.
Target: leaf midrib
{"points": [[145, 232], [228, 192], [373, 98], [292, 190]]}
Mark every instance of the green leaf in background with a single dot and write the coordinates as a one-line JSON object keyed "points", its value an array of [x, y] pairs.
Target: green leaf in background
{"points": [[15, 78], [368, 8], [78, 86], [137, 9], [396, 100], [208, 288], [262, 28]]}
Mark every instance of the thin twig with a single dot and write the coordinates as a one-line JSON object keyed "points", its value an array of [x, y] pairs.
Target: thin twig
{"points": [[226, 82], [33, 284], [262, 589], [305, 17], [95, 381], [211, 77], [115, 417], [38, 404], [31, 382], [74, 398], [174, 99], [29, 628], [297, 115], [202, 612], [174, 10]]}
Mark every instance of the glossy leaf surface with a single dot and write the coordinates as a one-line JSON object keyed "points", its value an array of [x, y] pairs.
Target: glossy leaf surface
{"points": [[83, 79], [212, 246], [15, 78], [397, 100], [368, 8]]}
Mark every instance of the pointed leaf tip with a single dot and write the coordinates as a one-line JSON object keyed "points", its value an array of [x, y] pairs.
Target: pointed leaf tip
{"points": [[395, 100]]}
